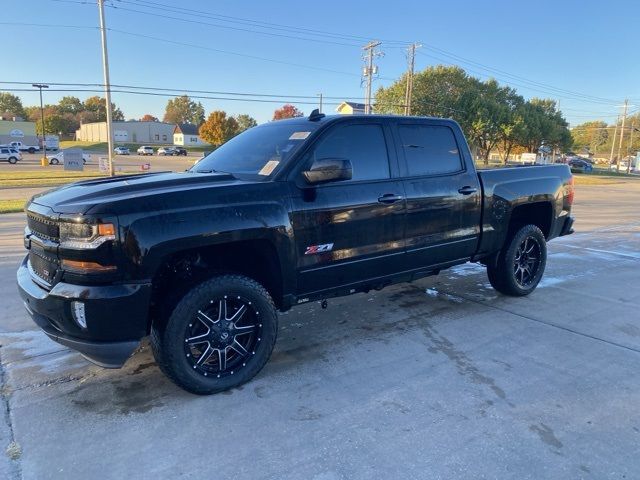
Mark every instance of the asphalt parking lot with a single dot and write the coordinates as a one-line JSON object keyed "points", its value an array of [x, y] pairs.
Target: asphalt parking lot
{"points": [[443, 378]]}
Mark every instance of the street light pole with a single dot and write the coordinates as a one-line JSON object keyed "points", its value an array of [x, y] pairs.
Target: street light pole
{"points": [[40, 86], [107, 86]]}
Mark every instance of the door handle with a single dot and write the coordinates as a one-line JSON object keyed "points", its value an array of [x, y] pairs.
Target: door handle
{"points": [[390, 198], [467, 190]]}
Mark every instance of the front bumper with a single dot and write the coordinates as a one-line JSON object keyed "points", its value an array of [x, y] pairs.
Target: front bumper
{"points": [[116, 316]]}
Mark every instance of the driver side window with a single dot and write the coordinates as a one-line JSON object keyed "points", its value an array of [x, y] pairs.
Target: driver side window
{"points": [[363, 145]]}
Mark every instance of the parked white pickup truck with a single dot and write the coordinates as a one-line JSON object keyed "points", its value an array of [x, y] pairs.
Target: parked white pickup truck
{"points": [[25, 148], [59, 158]]}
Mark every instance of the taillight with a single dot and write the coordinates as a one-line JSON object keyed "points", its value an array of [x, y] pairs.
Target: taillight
{"points": [[569, 191]]}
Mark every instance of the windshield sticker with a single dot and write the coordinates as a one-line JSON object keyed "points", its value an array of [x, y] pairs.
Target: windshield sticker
{"points": [[269, 167], [299, 135]]}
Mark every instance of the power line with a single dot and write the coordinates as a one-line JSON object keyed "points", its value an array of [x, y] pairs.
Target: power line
{"points": [[532, 85], [517, 77], [200, 22], [258, 23]]}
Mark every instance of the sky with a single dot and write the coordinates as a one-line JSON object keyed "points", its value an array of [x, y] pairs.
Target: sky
{"points": [[582, 53]]}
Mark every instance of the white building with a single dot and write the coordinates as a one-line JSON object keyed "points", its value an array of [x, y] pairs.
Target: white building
{"points": [[131, 131], [186, 134]]}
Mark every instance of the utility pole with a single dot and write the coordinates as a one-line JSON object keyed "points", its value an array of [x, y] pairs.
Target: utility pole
{"points": [[369, 70], [107, 85], [624, 119], [409, 89], [613, 144], [630, 147], [40, 86], [320, 109]]}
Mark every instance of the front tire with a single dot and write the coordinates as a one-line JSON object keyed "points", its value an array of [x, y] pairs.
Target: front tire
{"points": [[219, 336], [520, 264], [54, 161], [13, 160]]}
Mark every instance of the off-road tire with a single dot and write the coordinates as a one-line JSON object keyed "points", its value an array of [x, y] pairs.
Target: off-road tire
{"points": [[168, 337], [503, 276]]}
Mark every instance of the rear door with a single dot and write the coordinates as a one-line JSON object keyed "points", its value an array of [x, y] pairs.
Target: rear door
{"points": [[350, 231], [442, 190]]}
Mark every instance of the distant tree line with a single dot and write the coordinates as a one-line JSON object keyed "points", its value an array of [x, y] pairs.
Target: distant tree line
{"points": [[596, 137], [64, 117]]}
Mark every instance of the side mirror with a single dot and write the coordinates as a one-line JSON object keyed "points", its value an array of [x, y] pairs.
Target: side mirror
{"points": [[328, 170]]}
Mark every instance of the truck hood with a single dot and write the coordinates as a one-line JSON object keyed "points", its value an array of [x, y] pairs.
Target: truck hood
{"points": [[137, 190]]}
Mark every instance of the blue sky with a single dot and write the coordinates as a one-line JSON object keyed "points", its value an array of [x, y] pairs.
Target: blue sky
{"points": [[582, 51]]}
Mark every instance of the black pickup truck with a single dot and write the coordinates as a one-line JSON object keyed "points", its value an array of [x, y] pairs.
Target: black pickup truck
{"points": [[288, 212]]}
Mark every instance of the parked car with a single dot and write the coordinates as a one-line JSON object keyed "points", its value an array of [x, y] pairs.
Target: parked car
{"points": [[121, 151], [179, 151], [145, 150], [580, 165], [59, 158], [165, 151], [11, 155], [285, 213], [623, 166], [25, 148]]}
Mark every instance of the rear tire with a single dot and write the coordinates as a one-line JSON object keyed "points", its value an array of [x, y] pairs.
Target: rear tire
{"points": [[520, 264], [54, 161], [219, 336], [32, 150]]}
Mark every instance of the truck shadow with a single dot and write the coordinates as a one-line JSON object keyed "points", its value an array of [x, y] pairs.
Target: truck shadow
{"points": [[310, 338]]}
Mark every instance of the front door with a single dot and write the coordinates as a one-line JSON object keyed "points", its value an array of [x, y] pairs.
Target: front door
{"points": [[350, 231]]}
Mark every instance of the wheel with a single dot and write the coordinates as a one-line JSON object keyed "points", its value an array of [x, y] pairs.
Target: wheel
{"points": [[520, 264], [13, 160], [54, 161], [32, 150], [219, 336]]}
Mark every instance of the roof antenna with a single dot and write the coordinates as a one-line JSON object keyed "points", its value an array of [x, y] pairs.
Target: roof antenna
{"points": [[315, 115]]}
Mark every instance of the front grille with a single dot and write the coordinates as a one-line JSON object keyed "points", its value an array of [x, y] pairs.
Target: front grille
{"points": [[43, 267], [43, 227]]}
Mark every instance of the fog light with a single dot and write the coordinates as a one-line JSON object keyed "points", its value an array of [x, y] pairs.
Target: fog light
{"points": [[78, 314]]}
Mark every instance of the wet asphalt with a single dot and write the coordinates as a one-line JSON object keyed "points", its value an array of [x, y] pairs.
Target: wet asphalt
{"points": [[442, 378]]}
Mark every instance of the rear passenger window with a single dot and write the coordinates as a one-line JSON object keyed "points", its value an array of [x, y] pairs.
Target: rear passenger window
{"points": [[364, 145], [429, 149]]}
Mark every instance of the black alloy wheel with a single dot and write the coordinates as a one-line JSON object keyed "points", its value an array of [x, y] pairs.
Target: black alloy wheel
{"points": [[526, 261], [222, 336], [521, 262], [218, 336]]}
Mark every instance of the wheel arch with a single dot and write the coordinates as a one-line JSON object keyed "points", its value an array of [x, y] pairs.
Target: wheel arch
{"points": [[179, 271]]}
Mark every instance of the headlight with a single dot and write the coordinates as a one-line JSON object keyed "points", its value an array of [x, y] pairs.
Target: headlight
{"points": [[85, 236]]}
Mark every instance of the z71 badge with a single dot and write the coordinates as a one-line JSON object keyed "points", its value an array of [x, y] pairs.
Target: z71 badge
{"points": [[327, 247]]}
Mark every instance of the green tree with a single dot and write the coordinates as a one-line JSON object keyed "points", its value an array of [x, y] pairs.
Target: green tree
{"points": [[71, 105], [55, 124], [12, 105], [218, 128], [286, 111], [97, 106], [184, 110], [245, 122]]}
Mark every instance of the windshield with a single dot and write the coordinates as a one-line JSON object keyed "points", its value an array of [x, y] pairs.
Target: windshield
{"points": [[257, 152]]}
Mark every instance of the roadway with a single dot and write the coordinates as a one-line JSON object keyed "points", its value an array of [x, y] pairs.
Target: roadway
{"points": [[442, 378]]}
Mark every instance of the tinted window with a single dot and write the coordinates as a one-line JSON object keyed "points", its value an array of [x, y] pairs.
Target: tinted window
{"points": [[429, 149], [364, 145]]}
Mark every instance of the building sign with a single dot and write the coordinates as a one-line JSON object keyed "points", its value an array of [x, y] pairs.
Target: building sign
{"points": [[73, 159], [16, 133]]}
